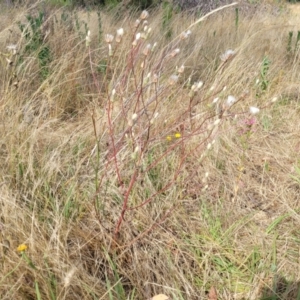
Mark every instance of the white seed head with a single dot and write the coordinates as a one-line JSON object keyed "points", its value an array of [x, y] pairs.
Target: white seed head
{"points": [[254, 110], [120, 32], [227, 54], [184, 35], [137, 36], [230, 100], [215, 100], [274, 99], [196, 86], [199, 84], [147, 50], [137, 23], [134, 117], [173, 79], [175, 52], [217, 122], [109, 38], [155, 78], [144, 15], [181, 69]]}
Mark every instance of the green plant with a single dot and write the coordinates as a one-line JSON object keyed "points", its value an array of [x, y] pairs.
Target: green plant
{"points": [[35, 43], [264, 82], [167, 18]]}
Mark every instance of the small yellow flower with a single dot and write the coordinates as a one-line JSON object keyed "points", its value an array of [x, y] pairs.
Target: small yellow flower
{"points": [[177, 135], [169, 138], [21, 248]]}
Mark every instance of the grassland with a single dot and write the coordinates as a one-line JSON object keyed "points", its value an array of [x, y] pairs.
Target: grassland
{"points": [[165, 162]]}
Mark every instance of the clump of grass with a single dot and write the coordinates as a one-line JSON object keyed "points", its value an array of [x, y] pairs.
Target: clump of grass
{"points": [[144, 165]]}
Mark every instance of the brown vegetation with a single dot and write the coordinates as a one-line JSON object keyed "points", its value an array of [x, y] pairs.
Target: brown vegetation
{"points": [[124, 175]]}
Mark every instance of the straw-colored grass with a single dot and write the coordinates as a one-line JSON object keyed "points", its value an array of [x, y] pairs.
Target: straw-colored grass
{"points": [[124, 177]]}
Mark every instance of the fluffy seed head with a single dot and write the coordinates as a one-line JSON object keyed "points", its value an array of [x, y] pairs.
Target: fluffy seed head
{"points": [[109, 38], [144, 15], [254, 110]]}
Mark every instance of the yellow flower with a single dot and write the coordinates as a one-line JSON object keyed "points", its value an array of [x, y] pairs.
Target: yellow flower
{"points": [[21, 248], [177, 135], [169, 138]]}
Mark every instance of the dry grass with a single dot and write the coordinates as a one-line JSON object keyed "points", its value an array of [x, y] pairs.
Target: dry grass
{"points": [[93, 139]]}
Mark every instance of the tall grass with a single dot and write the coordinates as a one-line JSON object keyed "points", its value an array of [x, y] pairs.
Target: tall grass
{"points": [[148, 158]]}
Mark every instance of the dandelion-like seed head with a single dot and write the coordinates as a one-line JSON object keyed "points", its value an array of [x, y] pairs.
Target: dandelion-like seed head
{"points": [[137, 23], [147, 50], [230, 100], [181, 69], [196, 86], [144, 15], [199, 85], [137, 36], [254, 110], [184, 35], [120, 33], [227, 54], [109, 38], [173, 79], [217, 122], [215, 100], [175, 52]]}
